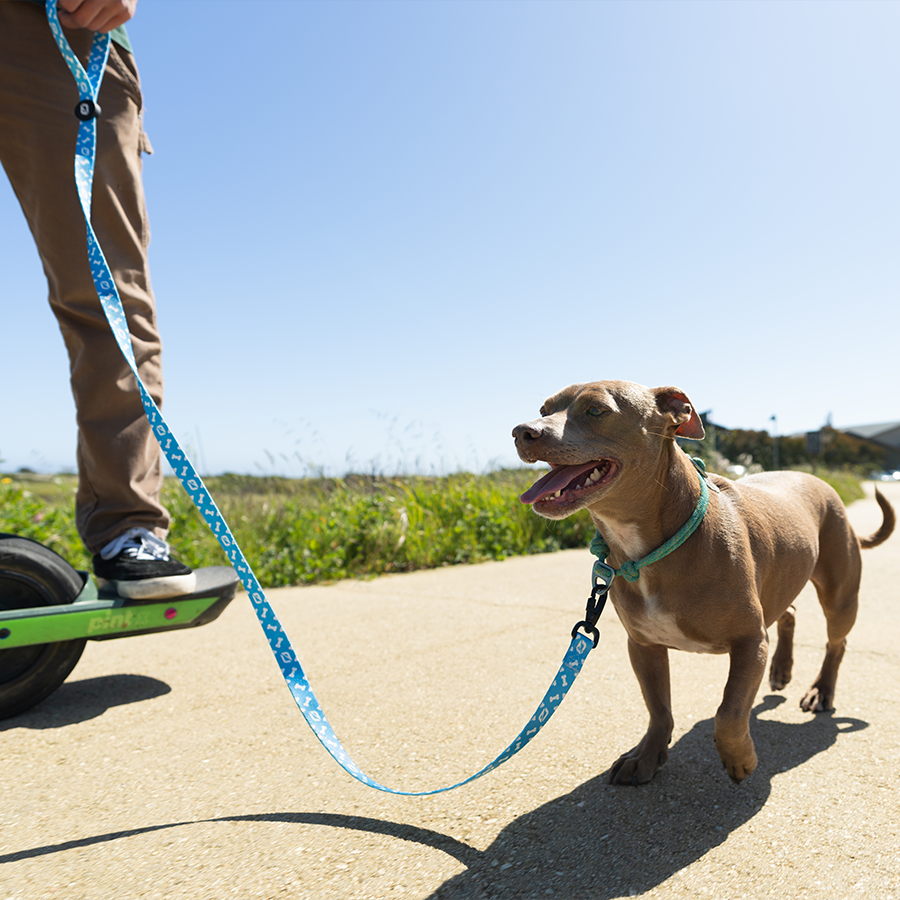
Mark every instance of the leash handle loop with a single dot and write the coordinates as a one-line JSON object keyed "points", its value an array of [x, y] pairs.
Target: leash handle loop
{"points": [[292, 671]]}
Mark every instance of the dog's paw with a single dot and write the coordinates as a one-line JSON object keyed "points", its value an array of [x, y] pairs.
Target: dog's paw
{"points": [[637, 766], [818, 699], [779, 674], [738, 771], [739, 757]]}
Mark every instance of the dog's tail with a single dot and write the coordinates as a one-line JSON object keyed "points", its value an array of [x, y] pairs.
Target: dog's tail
{"points": [[887, 524]]}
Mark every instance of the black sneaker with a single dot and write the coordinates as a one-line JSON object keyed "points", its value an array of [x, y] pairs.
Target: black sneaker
{"points": [[137, 566]]}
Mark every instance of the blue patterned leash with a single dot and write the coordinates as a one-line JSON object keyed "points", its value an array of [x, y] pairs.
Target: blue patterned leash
{"points": [[87, 110]]}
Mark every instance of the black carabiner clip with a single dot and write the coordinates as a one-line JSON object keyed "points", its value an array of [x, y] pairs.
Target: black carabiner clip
{"points": [[596, 601]]}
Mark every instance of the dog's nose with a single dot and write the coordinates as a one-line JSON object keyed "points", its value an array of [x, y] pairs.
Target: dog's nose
{"points": [[526, 433]]}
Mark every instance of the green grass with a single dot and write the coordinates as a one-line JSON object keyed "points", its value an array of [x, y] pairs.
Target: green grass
{"points": [[303, 531]]}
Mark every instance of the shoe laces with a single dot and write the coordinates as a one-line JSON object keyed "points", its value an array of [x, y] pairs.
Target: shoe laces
{"points": [[137, 543]]}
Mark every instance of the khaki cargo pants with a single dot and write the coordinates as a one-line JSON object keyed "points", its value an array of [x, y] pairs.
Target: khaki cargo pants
{"points": [[119, 462]]}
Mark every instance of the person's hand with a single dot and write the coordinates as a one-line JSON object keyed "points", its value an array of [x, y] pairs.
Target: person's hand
{"points": [[95, 15]]}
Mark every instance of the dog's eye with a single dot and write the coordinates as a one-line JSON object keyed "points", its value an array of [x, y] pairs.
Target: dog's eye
{"points": [[543, 411], [596, 411]]}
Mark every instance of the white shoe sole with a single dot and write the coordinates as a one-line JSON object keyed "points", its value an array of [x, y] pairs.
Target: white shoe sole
{"points": [[152, 588]]}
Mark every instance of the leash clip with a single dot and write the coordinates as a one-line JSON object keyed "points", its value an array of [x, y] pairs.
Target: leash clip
{"points": [[602, 576]]}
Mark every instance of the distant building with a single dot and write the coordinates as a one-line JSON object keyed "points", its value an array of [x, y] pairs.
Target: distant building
{"points": [[886, 435]]}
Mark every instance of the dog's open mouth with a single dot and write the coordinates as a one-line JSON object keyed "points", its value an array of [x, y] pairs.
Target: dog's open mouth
{"points": [[566, 484]]}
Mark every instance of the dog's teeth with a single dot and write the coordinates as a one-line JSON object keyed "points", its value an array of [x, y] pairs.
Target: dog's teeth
{"points": [[595, 475]]}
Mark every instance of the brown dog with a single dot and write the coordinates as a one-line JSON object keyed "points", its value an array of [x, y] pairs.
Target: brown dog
{"points": [[611, 447]]}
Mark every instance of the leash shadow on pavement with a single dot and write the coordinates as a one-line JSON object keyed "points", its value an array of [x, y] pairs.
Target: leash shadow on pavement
{"points": [[78, 701], [601, 842], [465, 853], [598, 842]]}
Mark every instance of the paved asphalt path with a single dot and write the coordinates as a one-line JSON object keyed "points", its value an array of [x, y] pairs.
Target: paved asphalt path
{"points": [[176, 766]]}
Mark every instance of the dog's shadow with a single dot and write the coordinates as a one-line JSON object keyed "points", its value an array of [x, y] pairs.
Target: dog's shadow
{"points": [[602, 842], [596, 843]]}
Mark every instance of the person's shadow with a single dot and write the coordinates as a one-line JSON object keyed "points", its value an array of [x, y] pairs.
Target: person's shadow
{"points": [[78, 701], [601, 842]]}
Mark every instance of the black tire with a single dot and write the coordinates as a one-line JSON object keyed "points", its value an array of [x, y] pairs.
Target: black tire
{"points": [[33, 575]]}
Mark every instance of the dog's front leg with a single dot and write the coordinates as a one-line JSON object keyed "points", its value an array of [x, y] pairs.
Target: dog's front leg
{"points": [[641, 763], [732, 729]]}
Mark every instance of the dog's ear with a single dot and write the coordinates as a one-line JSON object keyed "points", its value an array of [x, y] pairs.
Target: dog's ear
{"points": [[675, 402]]}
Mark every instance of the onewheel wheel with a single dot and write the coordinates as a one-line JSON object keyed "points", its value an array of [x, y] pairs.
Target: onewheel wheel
{"points": [[33, 575]]}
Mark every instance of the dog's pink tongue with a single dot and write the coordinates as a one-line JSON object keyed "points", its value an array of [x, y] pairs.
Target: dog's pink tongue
{"points": [[555, 480]]}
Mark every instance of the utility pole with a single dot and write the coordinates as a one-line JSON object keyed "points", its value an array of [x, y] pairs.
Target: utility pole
{"points": [[775, 461]]}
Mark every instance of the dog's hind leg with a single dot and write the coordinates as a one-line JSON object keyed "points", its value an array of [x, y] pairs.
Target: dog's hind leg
{"points": [[783, 657], [839, 603], [836, 578]]}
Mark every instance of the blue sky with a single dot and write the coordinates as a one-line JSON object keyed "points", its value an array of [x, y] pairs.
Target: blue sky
{"points": [[384, 232]]}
